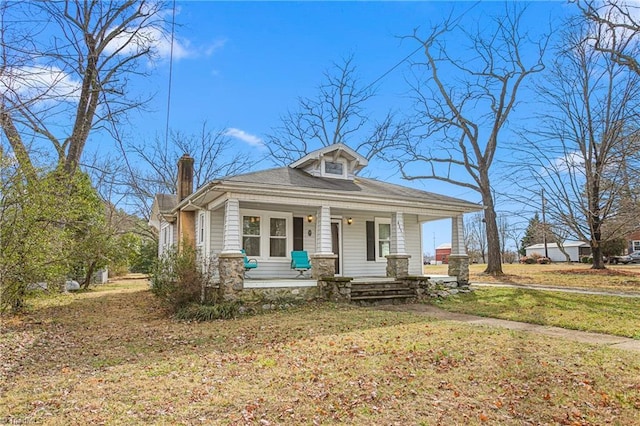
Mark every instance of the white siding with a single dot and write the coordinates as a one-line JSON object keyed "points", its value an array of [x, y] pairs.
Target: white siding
{"points": [[168, 237], [216, 223], [554, 252], [268, 268], [354, 249], [354, 245], [413, 241]]}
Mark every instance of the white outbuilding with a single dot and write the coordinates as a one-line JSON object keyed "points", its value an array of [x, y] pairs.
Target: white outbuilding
{"points": [[575, 249]]}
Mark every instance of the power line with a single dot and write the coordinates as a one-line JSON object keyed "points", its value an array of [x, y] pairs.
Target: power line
{"points": [[173, 27], [394, 67], [457, 19]]}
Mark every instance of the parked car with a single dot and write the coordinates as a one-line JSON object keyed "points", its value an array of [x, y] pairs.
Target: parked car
{"points": [[614, 260], [629, 258]]}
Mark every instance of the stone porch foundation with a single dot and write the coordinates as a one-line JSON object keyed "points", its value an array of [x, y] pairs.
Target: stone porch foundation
{"points": [[398, 265], [323, 265], [231, 270], [459, 267]]}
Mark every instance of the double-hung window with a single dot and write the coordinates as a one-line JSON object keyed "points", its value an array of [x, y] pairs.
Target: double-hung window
{"points": [[383, 238], [277, 237], [201, 228], [251, 235], [267, 234], [166, 236]]}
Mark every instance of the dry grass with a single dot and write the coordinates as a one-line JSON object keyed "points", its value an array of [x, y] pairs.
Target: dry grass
{"points": [[615, 277], [111, 357], [600, 314]]}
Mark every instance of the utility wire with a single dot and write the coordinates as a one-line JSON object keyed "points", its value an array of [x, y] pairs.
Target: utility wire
{"points": [[393, 67], [457, 19], [173, 27]]}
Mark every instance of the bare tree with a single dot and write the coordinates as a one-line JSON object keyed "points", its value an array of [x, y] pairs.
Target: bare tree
{"points": [[579, 150], [505, 231], [463, 105], [338, 114], [559, 234], [617, 29], [476, 237], [215, 155], [69, 74]]}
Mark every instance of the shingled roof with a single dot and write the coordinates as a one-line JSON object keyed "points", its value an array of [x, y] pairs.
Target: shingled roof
{"points": [[166, 202], [287, 177]]}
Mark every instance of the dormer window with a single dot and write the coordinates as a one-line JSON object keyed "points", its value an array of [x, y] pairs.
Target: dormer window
{"points": [[333, 168], [337, 168], [336, 161]]}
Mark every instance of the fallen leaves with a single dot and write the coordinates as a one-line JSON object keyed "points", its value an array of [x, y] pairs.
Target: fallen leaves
{"points": [[116, 359]]}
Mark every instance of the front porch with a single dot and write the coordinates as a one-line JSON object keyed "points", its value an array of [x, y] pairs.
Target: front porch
{"points": [[360, 290]]}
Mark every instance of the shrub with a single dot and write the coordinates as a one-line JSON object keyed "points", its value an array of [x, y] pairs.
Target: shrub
{"points": [[586, 259], [176, 279], [543, 260], [199, 312], [509, 256]]}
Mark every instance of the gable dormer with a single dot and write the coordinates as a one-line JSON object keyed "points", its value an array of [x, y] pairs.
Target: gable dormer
{"points": [[336, 161]]}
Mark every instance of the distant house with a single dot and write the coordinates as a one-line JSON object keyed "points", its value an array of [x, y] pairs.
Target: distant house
{"points": [[634, 241], [575, 250], [442, 253], [350, 226]]}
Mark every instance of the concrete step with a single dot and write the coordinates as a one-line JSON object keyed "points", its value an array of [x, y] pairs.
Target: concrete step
{"points": [[389, 299], [380, 292], [389, 285], [386, 296]]}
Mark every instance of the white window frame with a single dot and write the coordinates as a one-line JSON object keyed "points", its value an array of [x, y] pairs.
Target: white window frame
{"points": [[381, 221], [265, 233], [201, 229], [342, 161], [635, 245], [166, 233]]}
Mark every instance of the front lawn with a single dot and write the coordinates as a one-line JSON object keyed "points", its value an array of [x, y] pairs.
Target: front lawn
{"points": [[614, 277], [112, 357], [600, 314]]}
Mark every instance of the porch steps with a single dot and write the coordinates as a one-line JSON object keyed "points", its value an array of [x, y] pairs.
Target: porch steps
{"points": [[380, 292]]}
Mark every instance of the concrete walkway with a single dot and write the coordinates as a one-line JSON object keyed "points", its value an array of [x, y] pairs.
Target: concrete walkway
{"points": [[563, 333]]}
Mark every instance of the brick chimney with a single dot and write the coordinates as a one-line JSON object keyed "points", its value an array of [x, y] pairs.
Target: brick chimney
{"points": [[185, 177]]}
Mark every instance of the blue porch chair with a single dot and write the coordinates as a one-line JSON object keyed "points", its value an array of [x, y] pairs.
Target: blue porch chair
{"points": [[248, 263], [300, 262]]}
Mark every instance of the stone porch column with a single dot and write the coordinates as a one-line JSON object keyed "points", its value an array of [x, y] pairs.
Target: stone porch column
{"points": [[323, 260], [458, 259], [231, 270], [231, 260], [397, 259]]}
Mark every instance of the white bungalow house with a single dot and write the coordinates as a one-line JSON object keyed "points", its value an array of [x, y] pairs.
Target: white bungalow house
{"points": [[350, 226], [575, 250]]}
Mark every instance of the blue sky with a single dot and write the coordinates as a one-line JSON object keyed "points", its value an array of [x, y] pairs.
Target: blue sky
{"points": [[241, 65]]}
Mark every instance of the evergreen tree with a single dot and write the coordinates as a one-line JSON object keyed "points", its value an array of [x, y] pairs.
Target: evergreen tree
{"points": [[533, 234]]}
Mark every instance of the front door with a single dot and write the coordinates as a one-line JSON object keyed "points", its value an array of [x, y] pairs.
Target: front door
{"points": [[336, 243]]}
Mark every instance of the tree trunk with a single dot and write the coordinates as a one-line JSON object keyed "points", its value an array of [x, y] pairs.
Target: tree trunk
{"points": [[595, 221], [494, 262], [598, 261], [89, 274]]}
